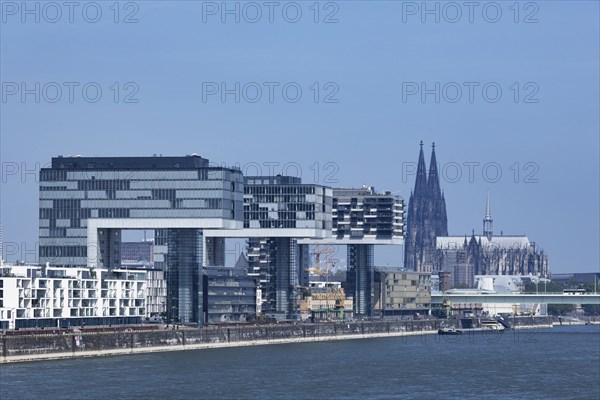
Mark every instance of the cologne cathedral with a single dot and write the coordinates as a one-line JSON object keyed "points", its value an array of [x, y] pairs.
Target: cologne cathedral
{"points": [[429, 248], [426, 219]]}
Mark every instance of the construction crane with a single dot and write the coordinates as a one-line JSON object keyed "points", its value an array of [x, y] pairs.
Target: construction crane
{"points": [[326, 250]]}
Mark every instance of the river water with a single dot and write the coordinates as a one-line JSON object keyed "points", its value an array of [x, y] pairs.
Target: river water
{"points": [[557, 363]]}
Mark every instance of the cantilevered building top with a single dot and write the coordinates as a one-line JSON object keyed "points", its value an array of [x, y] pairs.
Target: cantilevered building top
{"points": [[283, 206], [364, 216], [81, 199]]}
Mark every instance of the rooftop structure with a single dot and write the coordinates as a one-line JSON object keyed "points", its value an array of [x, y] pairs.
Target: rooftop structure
{"points": [[79, 163]]}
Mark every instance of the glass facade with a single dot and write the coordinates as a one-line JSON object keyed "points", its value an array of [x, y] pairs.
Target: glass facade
{"points": [[284, 202], [76, 189], [363, 214], [280, 265], [229, 295], [86, 202], [360, 276], [184, 275], [362, 218]]}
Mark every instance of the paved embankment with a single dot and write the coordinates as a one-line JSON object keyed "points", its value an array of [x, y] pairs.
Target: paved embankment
{"points": [[90, 344], [93, 344]]}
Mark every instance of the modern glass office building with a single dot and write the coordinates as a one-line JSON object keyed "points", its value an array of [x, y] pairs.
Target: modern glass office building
{"points": [[363, 218], [280, 266], [284, 202], [85, 203], [277, 211]]}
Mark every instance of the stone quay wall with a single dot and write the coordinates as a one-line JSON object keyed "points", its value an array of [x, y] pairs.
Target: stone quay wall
{"points": [[60, 345]]}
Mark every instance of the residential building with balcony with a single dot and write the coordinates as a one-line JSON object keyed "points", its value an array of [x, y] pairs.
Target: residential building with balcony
{"points": [[33, 296]]}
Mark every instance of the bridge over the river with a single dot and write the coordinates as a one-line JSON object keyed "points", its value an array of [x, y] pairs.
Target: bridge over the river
{"points": [[517, 298]]}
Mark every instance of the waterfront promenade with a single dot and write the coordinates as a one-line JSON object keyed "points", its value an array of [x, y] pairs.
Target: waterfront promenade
{"points": [[65, 345]]}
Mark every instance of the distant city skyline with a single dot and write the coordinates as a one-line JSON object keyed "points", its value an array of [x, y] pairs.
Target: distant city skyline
{"points": [[374, 84]]}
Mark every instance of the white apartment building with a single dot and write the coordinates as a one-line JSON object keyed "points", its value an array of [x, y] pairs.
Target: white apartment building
{"points": [[33, 296]]}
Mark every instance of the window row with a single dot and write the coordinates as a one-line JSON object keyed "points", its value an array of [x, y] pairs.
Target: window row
{"points": [[63, 251], [279, 189]]}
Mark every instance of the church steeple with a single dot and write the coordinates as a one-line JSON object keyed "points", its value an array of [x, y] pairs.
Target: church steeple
{"points": [[433, 181], [426, 217], [421, 181], [487, 220]]}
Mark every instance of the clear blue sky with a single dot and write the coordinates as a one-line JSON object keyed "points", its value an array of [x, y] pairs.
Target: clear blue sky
{"points": [[372, 54]]}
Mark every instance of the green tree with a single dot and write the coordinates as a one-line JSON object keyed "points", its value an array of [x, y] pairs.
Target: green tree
{"points": [[591, 309], [560, 309], [549, 287]]}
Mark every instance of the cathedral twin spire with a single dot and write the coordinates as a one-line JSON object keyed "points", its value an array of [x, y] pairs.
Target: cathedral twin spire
{"points": [[427, 184], [421, 181], [426, 219]]}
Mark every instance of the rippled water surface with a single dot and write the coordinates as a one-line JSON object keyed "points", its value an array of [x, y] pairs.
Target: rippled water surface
{"points": [[558, 363]]}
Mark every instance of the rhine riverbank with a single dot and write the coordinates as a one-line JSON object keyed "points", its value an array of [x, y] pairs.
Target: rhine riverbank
{"points": [[536, 364], [65, 345]]}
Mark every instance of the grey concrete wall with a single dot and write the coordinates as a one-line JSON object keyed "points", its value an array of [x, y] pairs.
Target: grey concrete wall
{"points": [[63, 345], [11, 346]]}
